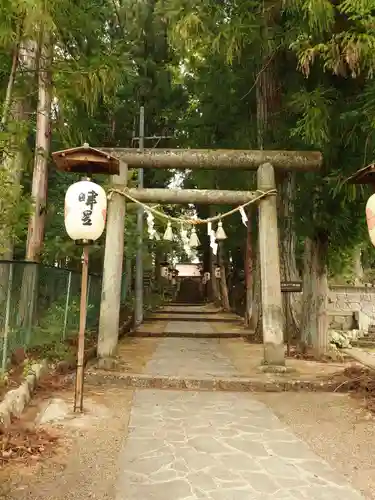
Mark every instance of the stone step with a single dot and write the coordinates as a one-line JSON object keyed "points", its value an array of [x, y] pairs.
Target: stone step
{"points": [[217, 383], [191, 318], [191, 335], [187, 304], [366, 336], [365, 358], [363, 342], [171, 312]]}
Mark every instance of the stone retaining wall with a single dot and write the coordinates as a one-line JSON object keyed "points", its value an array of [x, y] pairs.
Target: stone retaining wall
{"points": [[351, 307], [15, 400]]}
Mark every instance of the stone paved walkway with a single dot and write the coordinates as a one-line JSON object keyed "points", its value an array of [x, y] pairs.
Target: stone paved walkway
{"points": [[190, 357], [219, 446], [213, 445]]}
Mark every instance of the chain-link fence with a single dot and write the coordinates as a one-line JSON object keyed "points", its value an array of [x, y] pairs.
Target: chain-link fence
{"points": [[39, 306]]}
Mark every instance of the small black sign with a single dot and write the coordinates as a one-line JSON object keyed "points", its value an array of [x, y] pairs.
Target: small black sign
{"points": [[147, 278], [291, 286]]}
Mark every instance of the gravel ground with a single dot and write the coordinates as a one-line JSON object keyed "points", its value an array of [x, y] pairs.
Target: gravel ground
{"points": [[336, 428], [86, 466]]}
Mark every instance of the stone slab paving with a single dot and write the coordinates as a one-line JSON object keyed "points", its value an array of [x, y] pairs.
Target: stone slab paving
{"points": [[218, 446], [194, 357], [189, 445], [183, 357]]}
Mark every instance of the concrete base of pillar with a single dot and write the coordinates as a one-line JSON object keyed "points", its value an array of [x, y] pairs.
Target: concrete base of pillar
{"points": [[277, 369], [274, 354], [107, 363]]}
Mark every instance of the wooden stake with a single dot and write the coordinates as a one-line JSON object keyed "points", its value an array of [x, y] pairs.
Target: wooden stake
{"points": [[80, 373]]}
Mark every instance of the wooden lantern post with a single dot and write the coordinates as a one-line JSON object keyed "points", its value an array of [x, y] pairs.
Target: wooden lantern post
{"points": [[85, 161]]}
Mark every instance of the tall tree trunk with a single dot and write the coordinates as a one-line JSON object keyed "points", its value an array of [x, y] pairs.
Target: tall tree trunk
{"points": [[223, 280], [11, 164], [39, 185], [255, 322], [214, 283], [11, 171], [12, 167], [10, 87], [126, 280], [158, 277], [288, 264], [42, 149], [268, 105], [249, 269], [314, 320], [357, 265]]}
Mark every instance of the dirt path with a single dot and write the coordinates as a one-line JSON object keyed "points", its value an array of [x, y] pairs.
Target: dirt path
{"points": [[86, 463]]}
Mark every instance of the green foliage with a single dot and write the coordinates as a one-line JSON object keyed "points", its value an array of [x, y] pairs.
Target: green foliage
{"points": [[342, 37], [153, 301], [314, 111]]}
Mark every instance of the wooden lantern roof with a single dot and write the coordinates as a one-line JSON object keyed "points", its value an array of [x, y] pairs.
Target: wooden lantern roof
{"points": [[364, 175], [85, 159]]}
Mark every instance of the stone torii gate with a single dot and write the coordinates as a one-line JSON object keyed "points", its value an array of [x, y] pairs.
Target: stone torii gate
{"points": [[265, 162]]}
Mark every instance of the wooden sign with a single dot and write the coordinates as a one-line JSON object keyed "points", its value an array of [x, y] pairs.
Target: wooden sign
{"points": [[147, 277], [291, 286]]}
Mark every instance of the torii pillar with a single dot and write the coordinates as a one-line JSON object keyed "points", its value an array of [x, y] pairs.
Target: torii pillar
{"points": [[112, 270], [272, 309]]}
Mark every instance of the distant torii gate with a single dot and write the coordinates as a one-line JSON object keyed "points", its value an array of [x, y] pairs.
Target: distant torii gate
{"points": [[265, 162]]}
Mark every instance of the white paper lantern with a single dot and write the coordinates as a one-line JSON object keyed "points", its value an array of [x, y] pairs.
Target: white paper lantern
{"points": [[217, 272], [370, 218], [207, 276], [85, 211]]}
